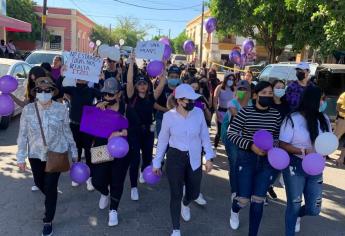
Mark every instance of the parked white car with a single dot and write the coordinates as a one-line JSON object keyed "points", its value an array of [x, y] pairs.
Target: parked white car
{"points": [[36, 58], [179, 59], [20, 71]]}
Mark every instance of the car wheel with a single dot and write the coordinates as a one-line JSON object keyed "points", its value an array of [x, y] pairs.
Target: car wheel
{"points": [[4, 122]]}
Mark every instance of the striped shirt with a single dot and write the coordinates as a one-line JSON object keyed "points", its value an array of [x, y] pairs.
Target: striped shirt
{"points": [[249, 120]]}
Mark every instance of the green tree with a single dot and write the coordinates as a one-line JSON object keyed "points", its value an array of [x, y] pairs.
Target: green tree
{"points": [[24, 10], [101, 33], [178, 42]]}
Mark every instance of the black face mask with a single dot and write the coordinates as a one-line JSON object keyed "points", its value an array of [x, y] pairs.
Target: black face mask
{"points": [[300, 75], [81, 85], [265, 101], [189, 106], [111, 102]]}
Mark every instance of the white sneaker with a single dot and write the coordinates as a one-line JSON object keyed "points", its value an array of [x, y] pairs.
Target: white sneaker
{"points": [[141, 178], [298, 225], [103, 202], [34, 188], [176, 233], [113, 221], [185, 212], [89, 185], [75, 184], [134, 194], [201, 200], [234, 220]]}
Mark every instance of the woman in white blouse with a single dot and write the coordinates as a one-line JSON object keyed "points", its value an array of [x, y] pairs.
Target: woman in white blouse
{"points": [[58, 135], [184, 129]]}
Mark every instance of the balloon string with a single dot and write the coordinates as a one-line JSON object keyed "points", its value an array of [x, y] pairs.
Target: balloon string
{"points": [[234, 68]]}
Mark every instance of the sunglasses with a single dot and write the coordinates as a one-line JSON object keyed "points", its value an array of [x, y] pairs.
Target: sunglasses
{"points": [[109, 94], [47, 90]]}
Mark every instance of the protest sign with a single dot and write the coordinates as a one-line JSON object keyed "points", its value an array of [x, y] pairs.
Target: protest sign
{"points": [[101, 123], [83, 66], [152, 50]]}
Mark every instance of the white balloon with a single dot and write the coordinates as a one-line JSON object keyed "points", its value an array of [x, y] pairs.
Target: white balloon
{"points": [[98, 42], [121, 42], [326, 143]]}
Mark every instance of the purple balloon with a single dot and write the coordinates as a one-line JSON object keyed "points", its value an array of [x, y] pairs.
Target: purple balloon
{"points": [[243, 60], [263, 139], [278, 158], [313, 164], [8, 84], [248, 46], [155, 68], [188, 47], [235, 57], [91, 44], [167, 52], [165, 40], [150, 177], [118, 147], [6, 105], [79, 172], [211, 25]]}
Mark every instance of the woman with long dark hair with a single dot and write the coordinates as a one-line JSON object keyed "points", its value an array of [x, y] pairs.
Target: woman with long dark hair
{"points": [[297, 136]]}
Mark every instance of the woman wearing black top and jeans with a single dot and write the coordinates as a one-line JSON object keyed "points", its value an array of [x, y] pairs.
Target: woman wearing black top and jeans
{"points": [[141, 130], [109, 177]]}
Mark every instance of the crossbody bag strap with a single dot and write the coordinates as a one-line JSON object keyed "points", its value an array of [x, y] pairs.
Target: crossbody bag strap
{"points": [[40, 123]]}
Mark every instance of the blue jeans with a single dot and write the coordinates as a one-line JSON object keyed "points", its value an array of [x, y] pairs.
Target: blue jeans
{"points": [[231, 152], [297, 182], [254, 175]]}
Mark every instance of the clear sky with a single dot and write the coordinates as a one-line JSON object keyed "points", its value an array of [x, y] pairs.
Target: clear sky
{"points": [[105, 12]]}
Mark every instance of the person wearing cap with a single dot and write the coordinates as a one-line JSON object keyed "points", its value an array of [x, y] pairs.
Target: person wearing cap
{"points": [[222, 95], [295, 89], [184, 129], [109, 177], [140, 108], [242, 99], [80, 96], [163, 92], [59, 138], [254, 173], [112, 70]]}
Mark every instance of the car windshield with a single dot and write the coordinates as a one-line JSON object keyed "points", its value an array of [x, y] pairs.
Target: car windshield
{"points": [[39, 58], [181, 58], [4, 69]]}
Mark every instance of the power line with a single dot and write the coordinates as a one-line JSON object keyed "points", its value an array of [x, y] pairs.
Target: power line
{"points": [[114, 16], [72, 1], [154, 8]]}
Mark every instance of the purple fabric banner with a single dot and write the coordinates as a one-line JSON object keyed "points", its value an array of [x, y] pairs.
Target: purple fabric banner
{"points": [[101, 123]]}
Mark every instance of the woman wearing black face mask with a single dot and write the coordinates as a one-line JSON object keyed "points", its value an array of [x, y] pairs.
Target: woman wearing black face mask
{"points": [[185, 131], [81, 96], [254, 173]]}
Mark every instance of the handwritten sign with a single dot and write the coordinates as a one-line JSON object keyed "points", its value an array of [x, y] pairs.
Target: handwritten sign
{"points": [[152, 50], [101, 123], [83, 66]]}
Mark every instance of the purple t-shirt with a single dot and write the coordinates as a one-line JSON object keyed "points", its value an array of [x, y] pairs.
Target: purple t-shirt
{"points": [[56, 73], [294, 94]]}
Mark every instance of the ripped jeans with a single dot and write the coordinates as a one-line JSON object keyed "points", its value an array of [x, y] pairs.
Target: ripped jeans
{"points": [[297, 182], [254, 176]]}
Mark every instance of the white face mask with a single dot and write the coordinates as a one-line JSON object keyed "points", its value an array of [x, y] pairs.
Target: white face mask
{"points": [[279, 92], [229, 83], [44, 97]]}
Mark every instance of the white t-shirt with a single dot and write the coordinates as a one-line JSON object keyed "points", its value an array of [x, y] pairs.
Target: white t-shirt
{"points": [[297, 134]]}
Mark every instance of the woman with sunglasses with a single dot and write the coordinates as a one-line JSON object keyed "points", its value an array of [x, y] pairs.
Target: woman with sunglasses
{"points": [[184, 129], [109, 177], [141, 129], [58, 135]]}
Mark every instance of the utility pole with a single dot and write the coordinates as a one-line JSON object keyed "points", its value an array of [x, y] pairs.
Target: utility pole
{"points": [[159, 32], [109, 33], [44, 22], [169, 33], [201, 32]]}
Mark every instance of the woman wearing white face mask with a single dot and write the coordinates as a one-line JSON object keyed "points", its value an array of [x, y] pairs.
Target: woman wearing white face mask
{"points": [[222, 95], [58, 137], [279, 98]]}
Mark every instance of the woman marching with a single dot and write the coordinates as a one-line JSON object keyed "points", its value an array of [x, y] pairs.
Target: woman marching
{"points": [[141, 129], [184, 129], [53, 117], [297, 136], [253, 171], [109, 177]]}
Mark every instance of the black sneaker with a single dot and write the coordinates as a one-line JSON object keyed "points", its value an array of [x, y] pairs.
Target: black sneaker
{"points": [[272, 194], [47, 229]]}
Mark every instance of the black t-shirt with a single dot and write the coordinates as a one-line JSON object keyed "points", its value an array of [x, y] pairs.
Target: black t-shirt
{"points": [[283, 108], [162, 99], [80, 97], [140, 111], [109, 74]]}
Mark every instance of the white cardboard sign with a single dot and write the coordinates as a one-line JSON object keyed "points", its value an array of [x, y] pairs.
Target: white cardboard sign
{"points": [[83, 66], [152, 50]]}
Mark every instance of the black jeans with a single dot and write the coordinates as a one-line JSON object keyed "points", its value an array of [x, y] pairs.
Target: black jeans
{"points": [[141, 139], [47, 183], [179, 173], [111, 174], [82, 141]]}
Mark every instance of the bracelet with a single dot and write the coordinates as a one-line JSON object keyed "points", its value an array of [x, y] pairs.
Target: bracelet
{"points": [[303, 151]]}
